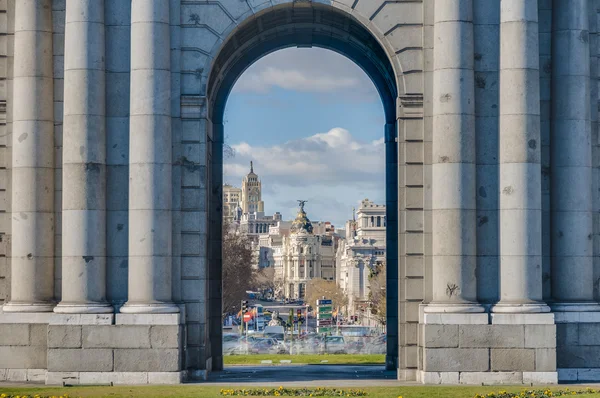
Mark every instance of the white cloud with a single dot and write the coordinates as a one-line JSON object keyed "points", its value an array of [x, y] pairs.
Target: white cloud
{"points": [[302, 70], [333, 170], [331, 158], [262, 81]]}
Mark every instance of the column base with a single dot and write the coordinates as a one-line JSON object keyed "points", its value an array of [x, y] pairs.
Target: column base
{"points": [[459, 308], [520, 308], [13, 306], [83, 308], [150, 308], [583, 306]]}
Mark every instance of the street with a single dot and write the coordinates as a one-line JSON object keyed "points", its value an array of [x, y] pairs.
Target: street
{"points": [[306, 374]]}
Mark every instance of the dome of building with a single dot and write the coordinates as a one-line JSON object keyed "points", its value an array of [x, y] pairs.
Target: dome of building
{"points": [[301, 224]]}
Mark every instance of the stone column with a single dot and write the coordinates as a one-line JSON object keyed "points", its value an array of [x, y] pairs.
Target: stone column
{"points": [[453, 164], [571, 153], [150, 174], [520, 170], [32, 218], [84, 161]]}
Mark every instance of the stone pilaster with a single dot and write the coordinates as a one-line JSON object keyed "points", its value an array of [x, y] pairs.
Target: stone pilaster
{"points": [[520, 170], [84, 161], [453, 161], [571, 153], [150, 161], [32, 264]]}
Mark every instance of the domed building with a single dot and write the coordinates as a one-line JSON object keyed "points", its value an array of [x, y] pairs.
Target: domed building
{"points": [[299, 252]]}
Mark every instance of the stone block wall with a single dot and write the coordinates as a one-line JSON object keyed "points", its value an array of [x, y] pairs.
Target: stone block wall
{"points": [[578, 348], [92, 350], [489, 353], [23, 351]]}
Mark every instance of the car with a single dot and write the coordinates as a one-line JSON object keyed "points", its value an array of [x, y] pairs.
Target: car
{"points": [[275, 332], [356, 346], [231, 344], [267, 346], [334, 345], [378, 345]]}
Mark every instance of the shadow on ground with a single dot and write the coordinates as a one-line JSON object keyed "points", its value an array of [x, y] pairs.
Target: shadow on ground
{"points": [[299, 373]]}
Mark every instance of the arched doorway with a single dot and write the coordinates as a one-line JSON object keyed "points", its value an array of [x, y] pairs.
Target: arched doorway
{"points": [[302, 25]]}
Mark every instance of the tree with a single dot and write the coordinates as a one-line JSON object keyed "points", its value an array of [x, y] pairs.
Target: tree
{"points": [[317, 288], [377, 293], [238, 275], [264, 280]]}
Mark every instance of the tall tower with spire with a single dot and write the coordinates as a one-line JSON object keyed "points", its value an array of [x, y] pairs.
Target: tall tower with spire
{"points": [[252, 193]]}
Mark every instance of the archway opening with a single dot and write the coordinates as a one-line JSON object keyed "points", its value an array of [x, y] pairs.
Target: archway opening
{"points": [[282, 27]]}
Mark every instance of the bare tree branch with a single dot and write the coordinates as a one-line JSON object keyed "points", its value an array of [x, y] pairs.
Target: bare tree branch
{"points": [[317, 288], [238, 276], [377, 287]]}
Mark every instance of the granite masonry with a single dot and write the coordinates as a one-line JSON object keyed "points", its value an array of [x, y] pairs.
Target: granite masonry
{"points": [[110, 243]]}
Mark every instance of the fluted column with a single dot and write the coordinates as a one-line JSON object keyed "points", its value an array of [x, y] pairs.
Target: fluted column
{"points": [[84, 161], [32, 218], [520, 171], [572, 206], [453, 165], [150, 173]]}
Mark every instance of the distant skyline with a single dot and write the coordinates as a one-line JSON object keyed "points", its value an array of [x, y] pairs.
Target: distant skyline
{"points": [[312, 123]]}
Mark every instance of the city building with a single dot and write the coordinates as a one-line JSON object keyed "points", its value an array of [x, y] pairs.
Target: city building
{"points": [[299, 251], [232, 197], [256, 223], [362, 250], [244, 208], [252, 193]]}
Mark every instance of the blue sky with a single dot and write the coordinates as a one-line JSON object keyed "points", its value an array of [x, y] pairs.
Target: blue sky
{"points": [[312, 122]]}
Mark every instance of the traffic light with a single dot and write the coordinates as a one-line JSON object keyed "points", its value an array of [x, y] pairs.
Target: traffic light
{"points": [[299, 312], [244, 306]]}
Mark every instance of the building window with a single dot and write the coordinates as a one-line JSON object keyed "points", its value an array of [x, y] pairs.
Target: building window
{"points": [[378, 221], [372, 221]]}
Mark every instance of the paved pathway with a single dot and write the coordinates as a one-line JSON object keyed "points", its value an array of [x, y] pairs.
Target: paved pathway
{"points": [[306, 375]]}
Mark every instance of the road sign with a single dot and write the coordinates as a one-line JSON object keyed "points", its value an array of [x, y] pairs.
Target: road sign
{"points": [[324, 330], [247, 317], [325, 309], [324, 302], [324, 322], [324, 316]]}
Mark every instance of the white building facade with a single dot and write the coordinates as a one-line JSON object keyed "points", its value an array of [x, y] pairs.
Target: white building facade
{"points": [[362, 250], [232, 197]]}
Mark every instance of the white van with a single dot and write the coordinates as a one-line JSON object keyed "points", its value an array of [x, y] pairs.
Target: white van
{"points": [[275, 332]]}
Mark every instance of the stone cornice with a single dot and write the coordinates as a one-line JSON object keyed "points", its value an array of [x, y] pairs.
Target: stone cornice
{"points": [[193, 106]]}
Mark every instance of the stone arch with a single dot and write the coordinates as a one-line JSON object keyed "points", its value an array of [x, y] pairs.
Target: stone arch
{"points": [[396, 26], [384, 41]]}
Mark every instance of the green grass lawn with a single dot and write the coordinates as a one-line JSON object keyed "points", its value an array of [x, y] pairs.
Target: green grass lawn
{"points": [[213, 392], [332, 359]]}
